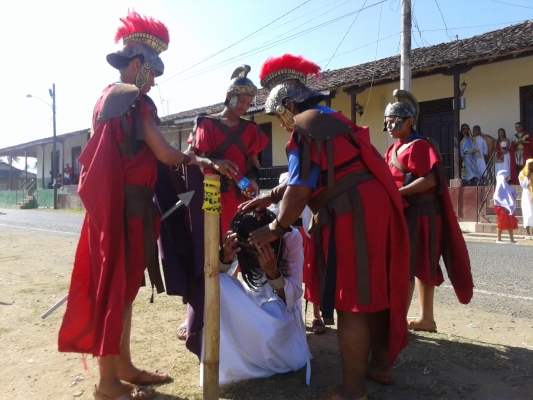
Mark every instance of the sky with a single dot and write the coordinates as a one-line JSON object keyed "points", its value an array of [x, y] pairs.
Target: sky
{"points": [[65, 43]]}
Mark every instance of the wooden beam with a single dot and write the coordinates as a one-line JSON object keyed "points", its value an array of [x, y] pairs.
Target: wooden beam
{"points": [[352, 90], [456, 121]]}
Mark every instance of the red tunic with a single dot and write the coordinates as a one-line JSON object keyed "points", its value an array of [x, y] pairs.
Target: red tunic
{"points": [[505, 220], [419, 159], [208, 140], [101, 280], [386, 236]]}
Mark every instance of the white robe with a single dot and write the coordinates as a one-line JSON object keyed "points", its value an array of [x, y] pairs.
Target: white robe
{"points": [[506, 164], [260, 335], [483, 148], [527, 204]]}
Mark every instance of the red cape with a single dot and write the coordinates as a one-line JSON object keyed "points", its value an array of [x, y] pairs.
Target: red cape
{"points": [[454, 253], [399, 240], [93, 319], [398, 273]]}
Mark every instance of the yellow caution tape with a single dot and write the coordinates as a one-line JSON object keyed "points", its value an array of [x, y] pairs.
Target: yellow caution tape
{"points": [[212, 197]]}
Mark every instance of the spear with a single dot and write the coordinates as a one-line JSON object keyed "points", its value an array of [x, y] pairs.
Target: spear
{"points": [[184, 199]]}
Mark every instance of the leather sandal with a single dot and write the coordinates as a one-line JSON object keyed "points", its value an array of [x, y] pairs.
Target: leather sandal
{"points": [[144, 378], [318, 327], [133, 392], [181, 332], [418, 326], [384, 378]]}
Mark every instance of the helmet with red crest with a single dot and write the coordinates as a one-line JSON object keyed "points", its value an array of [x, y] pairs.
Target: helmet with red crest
{"points": [[141, 36], [286, 78]]}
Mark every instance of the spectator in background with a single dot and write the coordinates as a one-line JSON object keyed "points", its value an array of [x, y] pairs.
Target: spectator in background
{"points": [[503, 157], [526, 181], [482, 149], [469, 170], [521, 148], [67, 175], [505, 206]]}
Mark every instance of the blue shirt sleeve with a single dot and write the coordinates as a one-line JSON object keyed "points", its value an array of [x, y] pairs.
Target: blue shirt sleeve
{"points": [[294, 172]]}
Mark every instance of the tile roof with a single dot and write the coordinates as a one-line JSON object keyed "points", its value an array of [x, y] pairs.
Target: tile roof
{"points": [[505, 42], [488, 46]]}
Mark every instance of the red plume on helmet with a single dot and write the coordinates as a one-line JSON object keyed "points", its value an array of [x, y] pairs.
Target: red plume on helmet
{"points": [[134, 23], [289, 62]]}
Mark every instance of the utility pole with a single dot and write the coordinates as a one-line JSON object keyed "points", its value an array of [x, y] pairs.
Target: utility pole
{"points": [[405, 56], [54, 163]]}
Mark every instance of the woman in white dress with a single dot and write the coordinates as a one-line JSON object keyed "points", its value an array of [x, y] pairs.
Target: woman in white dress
{"points": [[262, 332], [503, 157], [526, 181]]}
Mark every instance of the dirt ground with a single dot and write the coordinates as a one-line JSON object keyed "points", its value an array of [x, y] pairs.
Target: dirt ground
{"points": [[475, 355]]}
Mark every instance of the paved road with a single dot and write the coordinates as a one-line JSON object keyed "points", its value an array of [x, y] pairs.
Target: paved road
{"points": [[502, 273], [60, 223]]}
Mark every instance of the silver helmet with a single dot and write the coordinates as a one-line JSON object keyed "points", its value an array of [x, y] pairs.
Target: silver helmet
{"points": [[406, 107], [240, 84], [143, 36], [286, 78]]}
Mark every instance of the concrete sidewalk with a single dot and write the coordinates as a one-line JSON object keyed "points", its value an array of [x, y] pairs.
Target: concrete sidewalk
{"points": [[470, 234]]}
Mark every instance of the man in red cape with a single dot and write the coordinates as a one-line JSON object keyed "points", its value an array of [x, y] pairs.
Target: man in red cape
{"points": [[433, 228], [358, 231], [118, 237]]}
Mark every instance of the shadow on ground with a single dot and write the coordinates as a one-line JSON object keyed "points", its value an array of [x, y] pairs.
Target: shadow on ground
{"points": [[433, 366]]}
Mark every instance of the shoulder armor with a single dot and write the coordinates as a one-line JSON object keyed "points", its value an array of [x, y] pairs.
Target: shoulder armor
{"points": [[314, 124], [118, 101]]}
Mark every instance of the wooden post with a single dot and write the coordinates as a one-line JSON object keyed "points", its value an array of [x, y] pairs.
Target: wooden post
{"points": [[405, 56], [212, 285]]}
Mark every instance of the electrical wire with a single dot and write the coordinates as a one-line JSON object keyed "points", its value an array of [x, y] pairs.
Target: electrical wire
{"points": [[267, 45], [237, 42], [511, 4], [375, 64], [415, 24], [344, 37], [449, 37]]}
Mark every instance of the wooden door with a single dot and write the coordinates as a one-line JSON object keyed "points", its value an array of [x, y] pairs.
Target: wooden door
{"points": [[436, 122]]}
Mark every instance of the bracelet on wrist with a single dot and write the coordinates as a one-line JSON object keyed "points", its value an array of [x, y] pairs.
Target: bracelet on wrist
{"points": [[277, 230], [186, 159], [278, 283], [224, 267]]}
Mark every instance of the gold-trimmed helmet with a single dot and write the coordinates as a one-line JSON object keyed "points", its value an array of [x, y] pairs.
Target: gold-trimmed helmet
{"points": [[143, 36], [240, 84], [286, 78]]}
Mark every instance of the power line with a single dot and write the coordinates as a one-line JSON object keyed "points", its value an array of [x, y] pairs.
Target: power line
{"points": [[273, 43], [230, 46], [374, 70], [304, 15], [344, 37], [415, 24], [511, 4], [437, 3]]}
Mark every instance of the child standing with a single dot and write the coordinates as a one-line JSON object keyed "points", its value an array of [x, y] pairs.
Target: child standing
{"points": [[504, 206]]}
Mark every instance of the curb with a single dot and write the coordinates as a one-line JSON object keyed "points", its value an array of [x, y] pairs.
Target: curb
{"points": [[491, 238]]}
